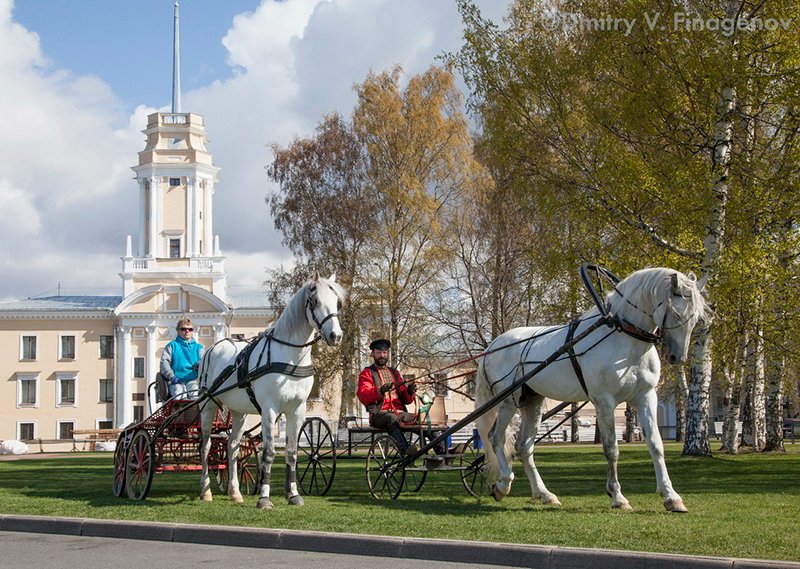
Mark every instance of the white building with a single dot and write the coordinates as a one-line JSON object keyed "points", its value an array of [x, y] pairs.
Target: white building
{"points": [[85, 362]]}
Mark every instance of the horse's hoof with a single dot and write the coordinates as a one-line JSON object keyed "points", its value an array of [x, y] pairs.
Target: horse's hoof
{"points": [[551, 500], [296, 500], [675, 506], [622, 506], [237, 499], [206, 497], [264, 504], [496, 494]]}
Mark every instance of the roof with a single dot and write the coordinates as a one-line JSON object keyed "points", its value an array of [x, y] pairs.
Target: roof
{"points": [[250, 301], [66, 303]]}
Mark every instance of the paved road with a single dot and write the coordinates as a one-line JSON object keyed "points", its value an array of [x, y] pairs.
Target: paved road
{"points": [[45, 551], [82, 543]]}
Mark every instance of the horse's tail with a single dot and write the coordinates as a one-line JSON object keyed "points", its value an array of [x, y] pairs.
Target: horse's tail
{"points": [[485, 423]]}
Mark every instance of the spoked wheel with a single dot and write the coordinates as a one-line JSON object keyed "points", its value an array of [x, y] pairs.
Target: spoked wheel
{"points": [[119, 467], [384, 476], [474, 474], [249, 466], [414, 478], [218, 457], [139, 466], [316, 457]]}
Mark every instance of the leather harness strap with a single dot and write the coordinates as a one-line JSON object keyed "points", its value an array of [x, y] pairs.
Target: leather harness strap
{"points": [[573, 326], [244, 379]]}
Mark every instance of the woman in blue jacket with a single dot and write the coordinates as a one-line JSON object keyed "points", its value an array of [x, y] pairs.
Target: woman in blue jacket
{"points": [[180, 360]]}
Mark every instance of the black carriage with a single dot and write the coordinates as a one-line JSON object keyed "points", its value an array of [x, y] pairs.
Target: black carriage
{"points": [[387, 472]]}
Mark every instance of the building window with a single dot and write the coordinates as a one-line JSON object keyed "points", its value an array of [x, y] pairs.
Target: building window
{"points": [[106, 390], [67, 348], [137, 397], [470, 384], [174, 182], [66, 383], [66, 429], [138, 413], [105, 424], [26, 431], [107, 347], [27, 390], [138, 367], [28, 348], [174, 248]]}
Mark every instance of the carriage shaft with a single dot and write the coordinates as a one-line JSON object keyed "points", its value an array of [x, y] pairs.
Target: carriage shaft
{"points": [[494, 401]]}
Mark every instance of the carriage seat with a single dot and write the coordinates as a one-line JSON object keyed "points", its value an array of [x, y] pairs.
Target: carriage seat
{"points": [[162, 388]]}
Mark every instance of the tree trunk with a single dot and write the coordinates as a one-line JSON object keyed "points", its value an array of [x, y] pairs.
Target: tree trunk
{"points": [[753, 411], [681, 394], [700, 381], [730, 427], [630, 422], [774, 426], [696, 443], [775, 369], [573, 424]]}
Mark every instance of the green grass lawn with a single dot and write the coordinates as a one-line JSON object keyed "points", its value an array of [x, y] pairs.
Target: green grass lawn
{"points": [[739, 506]]}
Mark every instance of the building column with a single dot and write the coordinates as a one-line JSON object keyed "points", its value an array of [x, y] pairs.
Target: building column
{"points": [[155, 195], [151, 366], [191, 217], [219, 332], [208, 236], [124, 399], [142, 252]]}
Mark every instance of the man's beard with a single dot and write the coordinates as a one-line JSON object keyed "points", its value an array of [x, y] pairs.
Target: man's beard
{"points": [[380, 362]]}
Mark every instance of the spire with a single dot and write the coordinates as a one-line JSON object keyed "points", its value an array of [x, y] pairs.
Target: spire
{"points": [[176, 65]]}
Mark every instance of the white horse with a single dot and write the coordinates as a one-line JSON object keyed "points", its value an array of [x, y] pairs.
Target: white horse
{"points": [[617, 364], [279, 375]]}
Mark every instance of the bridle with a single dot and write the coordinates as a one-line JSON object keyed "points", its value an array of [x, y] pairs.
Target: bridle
{"points": [[620, 323], [311, 305]]}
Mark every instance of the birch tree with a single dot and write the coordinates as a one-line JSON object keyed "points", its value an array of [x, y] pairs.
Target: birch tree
{"points": [[646, 134]]}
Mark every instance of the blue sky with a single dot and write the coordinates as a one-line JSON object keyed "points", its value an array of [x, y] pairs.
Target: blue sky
{"points": [[80, 77], [107, 39]]}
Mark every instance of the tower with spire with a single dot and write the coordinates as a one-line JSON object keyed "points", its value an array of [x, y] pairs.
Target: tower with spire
{"points": [[176, 177]]}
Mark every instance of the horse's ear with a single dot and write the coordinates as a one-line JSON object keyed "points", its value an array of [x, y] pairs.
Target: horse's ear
{"points": [[674, 281], [701, 284], [316, 276], [332, 278]]}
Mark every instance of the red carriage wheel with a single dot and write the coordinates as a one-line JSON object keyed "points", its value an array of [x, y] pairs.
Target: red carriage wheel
{"points": [[119, 466], [139, 466], [249, 465], [218, 462]]}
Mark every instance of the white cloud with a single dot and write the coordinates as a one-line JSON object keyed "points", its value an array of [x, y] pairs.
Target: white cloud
{"points": [[68, 145]]}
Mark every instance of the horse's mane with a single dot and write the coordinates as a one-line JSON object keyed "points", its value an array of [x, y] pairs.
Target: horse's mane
{"points": [[294, 314], [654, 285]]}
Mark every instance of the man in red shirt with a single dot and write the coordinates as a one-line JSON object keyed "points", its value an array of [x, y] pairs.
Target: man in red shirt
{"points": [[385, 395]]}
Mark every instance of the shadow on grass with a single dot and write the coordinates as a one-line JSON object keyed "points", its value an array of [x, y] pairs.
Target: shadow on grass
{"points": [[569, 472]]}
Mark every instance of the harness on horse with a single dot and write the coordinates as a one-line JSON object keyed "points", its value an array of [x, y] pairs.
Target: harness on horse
{"points": [[245, 378]]}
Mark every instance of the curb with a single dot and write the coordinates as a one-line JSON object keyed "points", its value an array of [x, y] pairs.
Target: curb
{"points": [[506, 554]]}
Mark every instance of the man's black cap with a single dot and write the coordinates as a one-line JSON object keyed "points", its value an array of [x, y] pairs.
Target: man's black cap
{"points": [[381, 344]]}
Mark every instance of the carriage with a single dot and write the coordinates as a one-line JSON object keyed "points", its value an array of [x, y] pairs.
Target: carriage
{"points": [[168, 441], [319, 449], [607, 356]]}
